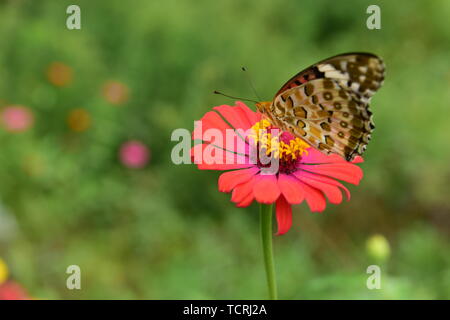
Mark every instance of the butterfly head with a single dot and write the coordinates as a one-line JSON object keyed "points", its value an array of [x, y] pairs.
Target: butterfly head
{"points": [[264, 106]]}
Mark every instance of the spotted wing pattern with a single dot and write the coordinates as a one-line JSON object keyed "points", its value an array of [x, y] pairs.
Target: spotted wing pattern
{"points": [[329, 108], [362, 73]]}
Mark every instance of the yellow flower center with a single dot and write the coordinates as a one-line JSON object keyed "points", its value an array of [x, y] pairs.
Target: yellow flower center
{"points": [[281, 145]]}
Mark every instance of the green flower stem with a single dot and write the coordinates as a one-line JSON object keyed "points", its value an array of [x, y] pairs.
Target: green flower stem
{"points": [[266, 237]]}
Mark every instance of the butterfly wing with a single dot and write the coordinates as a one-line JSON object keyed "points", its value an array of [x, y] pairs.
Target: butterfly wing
{"points": [[326, 115], [362, 73], [327, 104]]}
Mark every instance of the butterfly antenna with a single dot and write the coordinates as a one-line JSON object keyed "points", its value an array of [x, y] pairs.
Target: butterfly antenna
{"points": [[226, 95], [247, 74]]}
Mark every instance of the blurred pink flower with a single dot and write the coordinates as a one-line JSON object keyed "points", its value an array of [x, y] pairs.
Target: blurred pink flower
{"points": [[16, 118], [134, 154], [11, 290]]}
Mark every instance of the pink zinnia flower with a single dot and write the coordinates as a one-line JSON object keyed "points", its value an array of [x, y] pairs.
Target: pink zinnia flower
{"points": [[134, 154], [16, 118], [304, 173]]}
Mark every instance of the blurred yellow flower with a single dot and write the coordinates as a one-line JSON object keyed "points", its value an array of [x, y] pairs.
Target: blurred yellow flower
{"points": [[3, 271], [79, 120], [59, 74], [115, 92], [378, 247], [33, 164]]}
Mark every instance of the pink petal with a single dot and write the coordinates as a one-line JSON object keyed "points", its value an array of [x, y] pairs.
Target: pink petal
{"points": [[229, 180], [243, 193], [315, 156], [252, 116], [266, 188], [225, 160], [290, 188], [214, 130], [235, 116], [333, 193], [211, 120], [284, 215], [324, 179], [343, 171], [358, 159], [314, 198], [245, 202]]}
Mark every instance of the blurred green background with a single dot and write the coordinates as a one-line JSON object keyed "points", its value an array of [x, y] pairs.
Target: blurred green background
{"points": [[139, 69]]}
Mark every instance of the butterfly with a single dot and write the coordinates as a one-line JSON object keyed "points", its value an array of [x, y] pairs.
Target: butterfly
{"points": [[327, 104]]}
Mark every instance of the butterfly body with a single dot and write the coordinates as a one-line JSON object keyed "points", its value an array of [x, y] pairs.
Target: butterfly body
{"points": [[327, 104]]}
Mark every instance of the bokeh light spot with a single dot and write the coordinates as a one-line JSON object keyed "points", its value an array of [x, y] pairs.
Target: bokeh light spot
{"points": [[59, 74], [115, 92], [16, 118], [79, 120], [134, 154]]}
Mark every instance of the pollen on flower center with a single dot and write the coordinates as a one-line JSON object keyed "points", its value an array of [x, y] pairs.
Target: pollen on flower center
{"points": [[278, 144]]}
